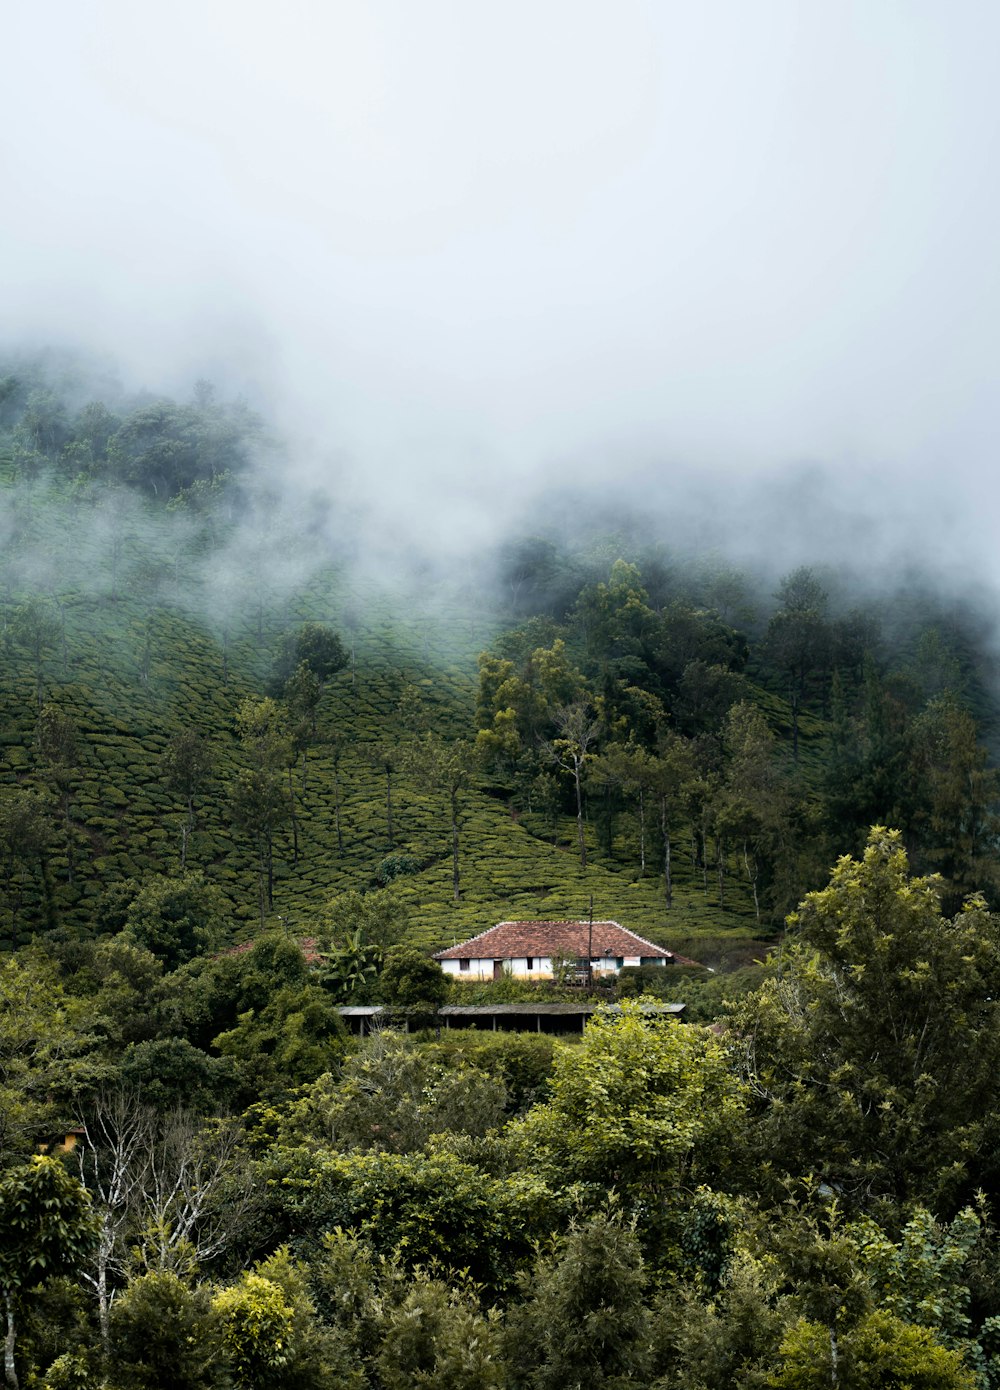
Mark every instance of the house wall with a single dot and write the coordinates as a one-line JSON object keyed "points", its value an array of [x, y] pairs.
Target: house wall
{"points": [[541, 968]]}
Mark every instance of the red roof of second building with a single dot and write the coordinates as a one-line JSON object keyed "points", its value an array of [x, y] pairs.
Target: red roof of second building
{"points": [[514, 940]]}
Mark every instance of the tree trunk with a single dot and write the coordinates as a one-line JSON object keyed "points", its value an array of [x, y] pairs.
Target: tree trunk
{"points": [[720, 867], [69, 837], [336, 808], [668, 883], [50, 912], [102, 1295], [116, 551], [10, 1371], [294, 819], [581, 841], [454, 843], [388, 803], [262, 880], [642, 833], [752, 876]]}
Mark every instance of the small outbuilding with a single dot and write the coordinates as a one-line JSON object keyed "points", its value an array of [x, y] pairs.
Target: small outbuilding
{"points": [[540, 950], [539, 1018]]}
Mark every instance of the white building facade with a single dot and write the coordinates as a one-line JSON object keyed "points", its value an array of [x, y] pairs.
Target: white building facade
{"points": [[541, 950]]}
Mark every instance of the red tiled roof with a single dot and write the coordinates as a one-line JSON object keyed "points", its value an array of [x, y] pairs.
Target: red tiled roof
{"points": [[508, 940], [307, 945]]}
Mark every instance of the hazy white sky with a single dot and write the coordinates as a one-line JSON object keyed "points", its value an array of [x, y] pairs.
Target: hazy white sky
{"points": [[469, 241]]}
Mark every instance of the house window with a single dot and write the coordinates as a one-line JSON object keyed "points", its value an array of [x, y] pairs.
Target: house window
{"points": [[531, 962], [464, 964], [619, 962]]}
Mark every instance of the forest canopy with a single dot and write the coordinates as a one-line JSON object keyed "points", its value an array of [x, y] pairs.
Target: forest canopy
{"points": [[246, 784]]}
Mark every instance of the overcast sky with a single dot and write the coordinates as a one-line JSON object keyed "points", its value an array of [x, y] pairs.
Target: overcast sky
{"points": [[469, 243]]}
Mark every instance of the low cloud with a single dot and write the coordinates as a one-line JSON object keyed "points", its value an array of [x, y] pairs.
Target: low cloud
{"points": [[729, 266]]}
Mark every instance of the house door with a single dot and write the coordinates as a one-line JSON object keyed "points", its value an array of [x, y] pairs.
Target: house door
{"points": [[498, 970]]}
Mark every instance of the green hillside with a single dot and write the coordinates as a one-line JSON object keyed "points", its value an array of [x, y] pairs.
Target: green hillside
{"points": [[155, 572], [131, 672]]}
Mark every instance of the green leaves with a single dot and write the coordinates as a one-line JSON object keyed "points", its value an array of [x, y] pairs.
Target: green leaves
{"points": [[638, 1100], [47, 1226], [877, 1039]]}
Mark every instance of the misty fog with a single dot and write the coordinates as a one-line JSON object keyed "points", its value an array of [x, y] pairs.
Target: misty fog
{"points": [[728, 266]]}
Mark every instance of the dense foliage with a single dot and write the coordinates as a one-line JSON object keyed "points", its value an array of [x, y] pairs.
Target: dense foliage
{"points": [[242, 786]]}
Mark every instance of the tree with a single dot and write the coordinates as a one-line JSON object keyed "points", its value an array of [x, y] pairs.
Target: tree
{"points": [[301, 693], [56, 738], [517, 703], [118, 1137], [258, 799], [43, 425], [438, 1339], [383, 757], [665, 775], [585, 1322], [187, 763], [177, 917], [194, 1193], [447, 767], [379, 916], [115, 522], [36, 628], [639, 1101], [24, 840], [393, 1096], [958, 827], [798, 639], [46, 1228], [272, 1335], [535, 577], [313, 645], [705, 694], [810, 1300], [411, 978], [286, 1038], [424, 1209], [874, 1046], [615, 619], [166, 1336], [337, 744], [257, 1328], [615, 771], [44, 1032], [879, 1353], [570, 751], [749, 808]]}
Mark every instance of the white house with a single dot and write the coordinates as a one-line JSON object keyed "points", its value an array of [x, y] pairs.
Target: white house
{"points": [[531, 949]]}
